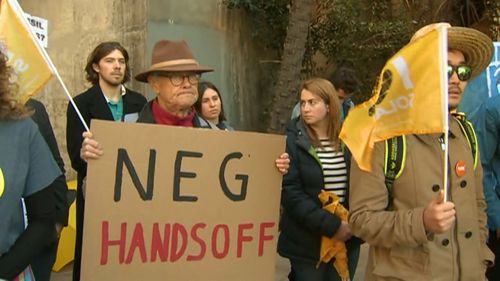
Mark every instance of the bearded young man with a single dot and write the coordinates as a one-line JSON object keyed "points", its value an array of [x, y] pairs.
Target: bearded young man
{"points": [[107, 70]]}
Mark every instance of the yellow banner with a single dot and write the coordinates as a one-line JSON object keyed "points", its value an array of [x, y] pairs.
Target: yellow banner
{"points": [[2, 183], [31, 70], [410, 98]]}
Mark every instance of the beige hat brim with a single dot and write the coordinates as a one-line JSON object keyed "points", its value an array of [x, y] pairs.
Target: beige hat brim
{"points": [[143, 76], [476, 46]]}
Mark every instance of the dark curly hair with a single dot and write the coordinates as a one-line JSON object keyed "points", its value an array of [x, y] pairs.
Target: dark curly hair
{"points": [[102, 50], [10, 108], [346, 79]]}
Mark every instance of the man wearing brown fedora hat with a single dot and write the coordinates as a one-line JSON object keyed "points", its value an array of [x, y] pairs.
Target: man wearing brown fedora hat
{"points": [[173, 75], [107, 69], [420, 236]]}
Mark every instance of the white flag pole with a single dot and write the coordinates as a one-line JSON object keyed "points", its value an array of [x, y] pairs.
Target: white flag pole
{"points": [[20, 14], [444, 101]]}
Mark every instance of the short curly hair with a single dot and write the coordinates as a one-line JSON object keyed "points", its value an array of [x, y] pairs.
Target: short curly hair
{"points": [[10, 108], [346, 79]]}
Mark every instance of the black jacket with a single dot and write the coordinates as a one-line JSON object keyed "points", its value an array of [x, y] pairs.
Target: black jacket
{"points": [[60, 187], [93, 105], [303, 220]]}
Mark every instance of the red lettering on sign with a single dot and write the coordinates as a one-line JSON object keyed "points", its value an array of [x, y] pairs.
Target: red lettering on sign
{"points": [[225, 250], [199, 240], [137, 242], [171, 243], [159, 245], [263, 237], [105, 242], [242, 238], [179, 233]]}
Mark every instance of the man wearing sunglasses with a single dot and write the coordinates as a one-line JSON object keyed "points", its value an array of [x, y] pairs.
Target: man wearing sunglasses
{"points": [[459, 74], [420, 236]]}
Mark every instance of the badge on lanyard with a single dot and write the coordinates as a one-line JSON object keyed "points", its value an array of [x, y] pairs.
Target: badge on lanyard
{"points": [[460, 168]]}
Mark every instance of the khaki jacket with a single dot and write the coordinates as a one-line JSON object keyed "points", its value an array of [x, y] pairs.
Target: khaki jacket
{"points": [[400, 249]]}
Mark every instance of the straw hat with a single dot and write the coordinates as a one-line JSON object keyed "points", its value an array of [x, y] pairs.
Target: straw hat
{"points": [[172, 56], [476, 46]]}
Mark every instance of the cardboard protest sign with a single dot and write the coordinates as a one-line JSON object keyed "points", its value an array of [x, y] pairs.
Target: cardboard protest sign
{"points": [[173, 203]]}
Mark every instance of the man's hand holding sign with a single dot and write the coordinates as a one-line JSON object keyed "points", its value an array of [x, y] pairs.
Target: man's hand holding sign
{"points": [[186, 204]]}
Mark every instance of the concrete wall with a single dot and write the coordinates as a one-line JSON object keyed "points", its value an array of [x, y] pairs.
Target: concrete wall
{"points": [[75, 28], [218, 37]]}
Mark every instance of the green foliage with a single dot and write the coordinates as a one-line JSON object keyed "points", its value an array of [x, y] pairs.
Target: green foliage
{"points": [[354, 33], [357, 33], [269, 20]]}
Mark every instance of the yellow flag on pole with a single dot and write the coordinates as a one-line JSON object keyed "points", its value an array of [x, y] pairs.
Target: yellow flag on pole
{"points": [[30, 67], [410, 98]]}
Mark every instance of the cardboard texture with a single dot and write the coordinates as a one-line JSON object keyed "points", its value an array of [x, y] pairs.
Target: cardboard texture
{"points": [[203, 204]]}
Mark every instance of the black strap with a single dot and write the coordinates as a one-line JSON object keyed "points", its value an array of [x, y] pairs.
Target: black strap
{"points": [[470, 134], [395, 155]]}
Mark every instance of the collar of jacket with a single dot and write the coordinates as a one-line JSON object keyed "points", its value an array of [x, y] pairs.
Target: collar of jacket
{"points": [[303, 140]]}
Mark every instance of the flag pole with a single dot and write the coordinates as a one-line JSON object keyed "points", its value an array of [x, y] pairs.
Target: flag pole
{"points": [[444, 101], [52, 67]]}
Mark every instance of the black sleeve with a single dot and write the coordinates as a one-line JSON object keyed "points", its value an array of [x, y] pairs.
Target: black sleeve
{"points": [[41, 118], [40, 208], [74, 139]]}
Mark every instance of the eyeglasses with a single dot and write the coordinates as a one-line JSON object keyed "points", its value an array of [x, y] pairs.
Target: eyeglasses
{"points": [[178, 79], [463, 72]]}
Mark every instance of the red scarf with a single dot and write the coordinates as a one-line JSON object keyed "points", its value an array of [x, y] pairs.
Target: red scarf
{"points": [[166, 118]]}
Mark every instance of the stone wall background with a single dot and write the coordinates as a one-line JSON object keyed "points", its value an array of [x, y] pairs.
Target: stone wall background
{"points": [[219, 38]]}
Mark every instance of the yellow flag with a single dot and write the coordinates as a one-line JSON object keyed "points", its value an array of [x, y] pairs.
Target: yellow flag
{"points": [[410, 98], [31, 70], [2, 183]]}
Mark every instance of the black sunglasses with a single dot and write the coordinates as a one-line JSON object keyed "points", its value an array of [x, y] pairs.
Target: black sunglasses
{"points": [[463, 71]]}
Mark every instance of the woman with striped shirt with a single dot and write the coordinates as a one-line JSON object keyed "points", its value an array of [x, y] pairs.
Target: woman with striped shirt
{"points": [[318, 162]]}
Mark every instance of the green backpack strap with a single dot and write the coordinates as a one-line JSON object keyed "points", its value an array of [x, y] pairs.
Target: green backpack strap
{"points": [[394, 162], [395, 153], [470, 134]]}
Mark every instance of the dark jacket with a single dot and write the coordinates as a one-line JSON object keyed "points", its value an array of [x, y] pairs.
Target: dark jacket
{"points": [[93, 105], [146, 116], [60, 187], [303, 220]]}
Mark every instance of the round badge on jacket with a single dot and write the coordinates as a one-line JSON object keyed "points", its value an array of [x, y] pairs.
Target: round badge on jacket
{"points": [[460, 168]]}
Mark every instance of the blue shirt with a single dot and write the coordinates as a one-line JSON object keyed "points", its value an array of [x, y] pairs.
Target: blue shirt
{"points": [[487, 125], [116, 109]]}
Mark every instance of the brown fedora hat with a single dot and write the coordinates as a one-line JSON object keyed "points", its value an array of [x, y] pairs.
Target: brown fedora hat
{"points": [[172, 56]]}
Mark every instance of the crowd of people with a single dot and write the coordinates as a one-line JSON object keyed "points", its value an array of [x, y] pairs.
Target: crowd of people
{"points": [[412, 232]]}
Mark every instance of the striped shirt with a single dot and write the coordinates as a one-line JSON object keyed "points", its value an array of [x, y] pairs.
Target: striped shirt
{"points": [[334, 169]]}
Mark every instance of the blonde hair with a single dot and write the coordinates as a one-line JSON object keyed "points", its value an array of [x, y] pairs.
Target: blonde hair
{"points": [[10, 108], [325, 91]]}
